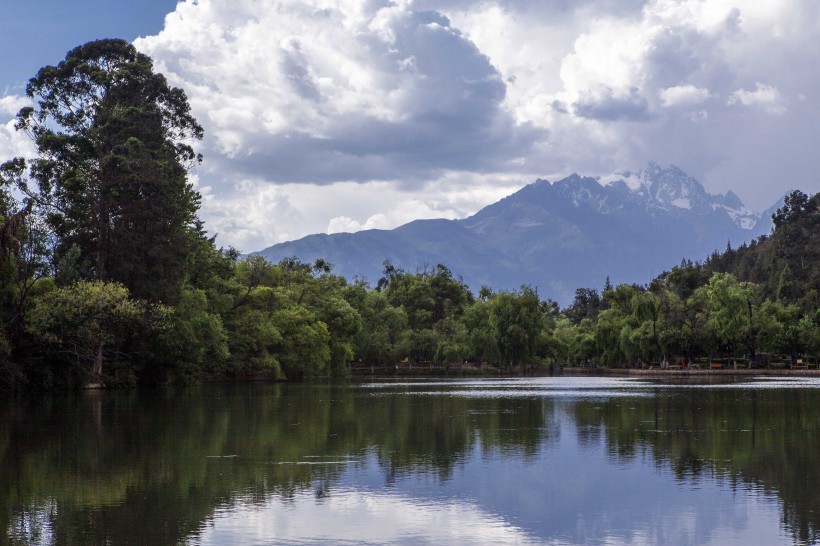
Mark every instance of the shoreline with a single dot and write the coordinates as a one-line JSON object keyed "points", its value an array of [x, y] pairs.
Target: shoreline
{"points": [[625, 372], [694, 372]]}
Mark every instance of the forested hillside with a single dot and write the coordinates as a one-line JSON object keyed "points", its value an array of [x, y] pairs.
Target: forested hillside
{"points": [[107, 277], [786, 263]]}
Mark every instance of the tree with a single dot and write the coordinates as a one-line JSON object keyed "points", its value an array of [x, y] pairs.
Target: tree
{"points": [[732, 311], [111, 174], [304, 349], [383, 337], [515, 319], [451, 343], [608, 334], [647, 307], [778, 328], [795, 204], [787, 287], [481, 338], [631, 324], [685, 278], [195, 344], [89, 321], [343, 323], [809, 333], [24, 254], [427, 297], [560, 340], [587, 304]]}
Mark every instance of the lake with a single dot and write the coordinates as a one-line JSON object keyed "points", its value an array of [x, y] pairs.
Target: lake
{"points": [[563, 460]]}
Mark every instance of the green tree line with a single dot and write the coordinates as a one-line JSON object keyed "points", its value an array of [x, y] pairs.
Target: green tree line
{"points": [[759, 300], [108, 276]]}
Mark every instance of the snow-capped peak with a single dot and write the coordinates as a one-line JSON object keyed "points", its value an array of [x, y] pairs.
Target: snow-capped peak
{"points": [[672, 189], [632, 181]]}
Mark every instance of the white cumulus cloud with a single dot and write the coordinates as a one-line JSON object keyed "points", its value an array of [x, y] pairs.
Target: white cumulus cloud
{"points": [[316, 91], [12, 142], [11, 104], [765, 97], [683, 95]]}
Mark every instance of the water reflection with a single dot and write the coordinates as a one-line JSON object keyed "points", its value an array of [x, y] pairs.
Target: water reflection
{"points": [[555, 461], [364, 517]]}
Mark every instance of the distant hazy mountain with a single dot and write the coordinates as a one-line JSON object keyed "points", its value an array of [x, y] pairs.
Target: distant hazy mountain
{"points": [[557, 236]]}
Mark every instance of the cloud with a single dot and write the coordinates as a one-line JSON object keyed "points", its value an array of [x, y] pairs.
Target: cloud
{"points": [[257, 214], [321, 92], [683, 95], [605, 104], [389, 517], [326, 115], [764, 97], [400, 209], [11, 104], [253, 213], [12, 142]]}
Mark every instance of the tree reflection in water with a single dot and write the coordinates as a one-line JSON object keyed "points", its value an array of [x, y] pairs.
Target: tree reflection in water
{"points": [[155, 468]]}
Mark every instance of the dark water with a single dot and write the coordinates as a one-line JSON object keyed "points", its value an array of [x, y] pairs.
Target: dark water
{"points": [[541, 461]]}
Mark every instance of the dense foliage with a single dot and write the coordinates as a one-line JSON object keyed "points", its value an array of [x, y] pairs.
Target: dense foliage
{"points": [[107, 276]]}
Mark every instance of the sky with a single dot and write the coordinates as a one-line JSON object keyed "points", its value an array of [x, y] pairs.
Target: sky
{"points": [[342, 115]]}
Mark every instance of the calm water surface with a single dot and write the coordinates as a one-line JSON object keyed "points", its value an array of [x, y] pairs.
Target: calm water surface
{"points": [[532, 461]]}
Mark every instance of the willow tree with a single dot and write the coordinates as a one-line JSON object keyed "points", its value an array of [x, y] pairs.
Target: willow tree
{"points": [[731, 309], [113, 141], [516, 321]]}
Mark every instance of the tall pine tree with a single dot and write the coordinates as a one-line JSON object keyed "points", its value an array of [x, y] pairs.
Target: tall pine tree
{"points": [[113, 142]]}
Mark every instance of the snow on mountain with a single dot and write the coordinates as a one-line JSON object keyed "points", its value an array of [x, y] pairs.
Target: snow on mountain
{"points": [[671, 188]]}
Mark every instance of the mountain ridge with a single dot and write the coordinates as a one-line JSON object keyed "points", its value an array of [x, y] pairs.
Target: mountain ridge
{"points": [[559, 236]]}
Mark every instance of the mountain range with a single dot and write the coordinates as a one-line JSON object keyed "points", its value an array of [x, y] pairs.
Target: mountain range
{"points": [[558, 236]]}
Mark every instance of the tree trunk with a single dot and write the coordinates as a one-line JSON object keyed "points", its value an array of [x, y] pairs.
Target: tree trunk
{"points": [[102, 240], [97, 368]]}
